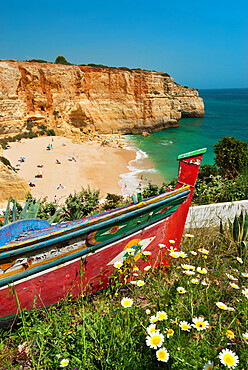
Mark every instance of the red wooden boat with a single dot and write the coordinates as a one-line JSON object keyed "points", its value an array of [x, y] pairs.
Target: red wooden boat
{"points": [[46, 262]]}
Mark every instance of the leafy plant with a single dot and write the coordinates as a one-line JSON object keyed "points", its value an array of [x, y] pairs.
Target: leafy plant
{"points": [[81, 204], [231, 156]]}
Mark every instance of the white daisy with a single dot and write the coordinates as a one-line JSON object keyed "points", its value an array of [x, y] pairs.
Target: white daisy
{"points": [[228, 358], [194, 281], [185, 326], [153, 319], [140, 283], [147, 253], [64, 362], [155, 340], [181, 290], [161, 315], [245, 292], [126, 302], [151, 329], [183, 254], [189, 236], [231, 277], [244, 274], [162, 354], [245, 337], [200, 323], [201, 270], [147, 268], [172, 241], [221, 305], [189, 273], [234, 286], [239, 260], [118, 264], [194, 253], [174, 254]]}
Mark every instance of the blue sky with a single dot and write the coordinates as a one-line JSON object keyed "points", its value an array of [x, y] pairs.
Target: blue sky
{"points": [[202, 44]]}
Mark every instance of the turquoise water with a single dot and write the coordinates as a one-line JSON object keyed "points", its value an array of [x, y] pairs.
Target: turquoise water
{"points": [[226, 113]]}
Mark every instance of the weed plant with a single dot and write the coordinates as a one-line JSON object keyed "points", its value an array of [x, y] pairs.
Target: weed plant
{"points": [[192, 314]]}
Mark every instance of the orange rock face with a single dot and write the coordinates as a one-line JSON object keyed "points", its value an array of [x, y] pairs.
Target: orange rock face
{"points": [[76, 100]]}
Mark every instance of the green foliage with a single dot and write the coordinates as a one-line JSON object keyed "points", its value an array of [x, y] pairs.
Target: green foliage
{"points": [[113, 201], [51, 132], [37, 61], [6, 162], [206, 171], [231, 156], [61, 60], [153, 189], [81, 204], [165, 74], [238, 231]]}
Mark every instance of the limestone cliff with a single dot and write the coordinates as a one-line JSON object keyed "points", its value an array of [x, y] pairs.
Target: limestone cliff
{"points": [[76, 100], [12, 185]]}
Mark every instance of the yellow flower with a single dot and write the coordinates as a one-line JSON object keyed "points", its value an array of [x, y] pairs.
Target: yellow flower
{"points": [[172, 241], [245, 292], [230, 334], [135, 268], [162, 355], [175, 321], [140, 283], [126, 302], [148, 312], [239, 260], [169, 332], [194, 253]]}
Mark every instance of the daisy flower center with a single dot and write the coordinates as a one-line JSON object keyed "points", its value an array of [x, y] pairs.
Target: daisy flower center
{"points": [[185, 327], [161, 355], [155, 340], [228, 359], [200, 324]]}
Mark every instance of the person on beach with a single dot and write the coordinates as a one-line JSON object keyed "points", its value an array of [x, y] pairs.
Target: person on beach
{"points": [[55, 199]]}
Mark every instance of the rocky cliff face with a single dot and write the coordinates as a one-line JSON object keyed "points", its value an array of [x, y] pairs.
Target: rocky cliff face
{"points": [[76, 100], [12, 185]]}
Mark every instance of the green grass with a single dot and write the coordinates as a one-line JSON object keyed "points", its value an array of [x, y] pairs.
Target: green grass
{"points": [[97, 332]]}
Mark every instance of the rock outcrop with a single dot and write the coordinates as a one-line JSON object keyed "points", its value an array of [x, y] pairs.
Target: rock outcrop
{"points": [[12, 185], [77, 100]]}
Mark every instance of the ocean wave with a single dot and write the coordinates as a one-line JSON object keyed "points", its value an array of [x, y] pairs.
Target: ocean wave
{"points": [[166, 142]]}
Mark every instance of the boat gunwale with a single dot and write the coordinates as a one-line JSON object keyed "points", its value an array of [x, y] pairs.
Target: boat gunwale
{"points": [[88, 228], [94, 221]]}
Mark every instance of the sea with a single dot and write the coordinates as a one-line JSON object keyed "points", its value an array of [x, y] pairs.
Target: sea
{"points": [[226, 113]]}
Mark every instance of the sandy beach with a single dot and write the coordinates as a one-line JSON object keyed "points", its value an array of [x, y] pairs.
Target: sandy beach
{"points": [[79, 165]]}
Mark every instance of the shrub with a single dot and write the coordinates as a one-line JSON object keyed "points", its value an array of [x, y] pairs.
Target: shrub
{"points": [[79, 205], [113, 201], [51, 132], [61, 60], [231, 156]]}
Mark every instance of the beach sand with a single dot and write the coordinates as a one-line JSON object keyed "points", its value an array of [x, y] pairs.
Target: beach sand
{"points": [[98, 166]]}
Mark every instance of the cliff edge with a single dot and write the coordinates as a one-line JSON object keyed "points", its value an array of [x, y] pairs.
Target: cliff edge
{"points": [[77, 100]]}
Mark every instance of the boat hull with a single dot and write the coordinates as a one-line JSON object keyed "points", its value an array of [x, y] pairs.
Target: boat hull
{"points": [[87, 273]]}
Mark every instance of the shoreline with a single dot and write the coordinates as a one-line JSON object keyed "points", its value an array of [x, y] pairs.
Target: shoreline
{"points": [[111, 169]]}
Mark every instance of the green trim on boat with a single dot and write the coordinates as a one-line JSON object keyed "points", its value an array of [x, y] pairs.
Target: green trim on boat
{"points": [[192, 154]]}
